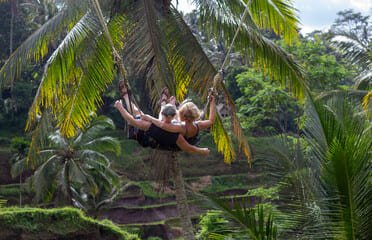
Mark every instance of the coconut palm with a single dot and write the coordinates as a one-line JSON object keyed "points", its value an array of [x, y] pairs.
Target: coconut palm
{"points": [[76, 170], [341, 144], [155, 42], [158, 45], [328, 182]]}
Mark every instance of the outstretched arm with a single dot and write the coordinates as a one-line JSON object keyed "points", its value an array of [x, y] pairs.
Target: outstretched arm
{"points": [[143, 125], [174, 128], [212, 114], [186, 147]]}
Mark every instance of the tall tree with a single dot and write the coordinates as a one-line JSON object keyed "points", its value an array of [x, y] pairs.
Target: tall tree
{"points": [[75, 170], [156, 44], [352, 35], [19, 19]]}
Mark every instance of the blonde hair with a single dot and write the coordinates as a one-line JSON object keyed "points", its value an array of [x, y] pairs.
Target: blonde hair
{"points": [[189, 111]]}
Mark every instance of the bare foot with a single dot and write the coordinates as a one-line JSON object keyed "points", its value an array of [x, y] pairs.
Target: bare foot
{"points": [[164, 95], [172, 100]]}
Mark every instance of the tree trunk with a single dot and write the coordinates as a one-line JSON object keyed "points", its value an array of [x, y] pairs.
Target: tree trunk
{"points": [[12, 11], [68, 193], [181, 198]]}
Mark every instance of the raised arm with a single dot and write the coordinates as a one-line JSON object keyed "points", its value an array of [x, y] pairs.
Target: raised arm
{"points": [[204, 124], [143, 125], [175, 128]]}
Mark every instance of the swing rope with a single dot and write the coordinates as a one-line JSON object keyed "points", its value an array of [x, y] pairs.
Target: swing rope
{"points": [[118, 59], [219, 76]]}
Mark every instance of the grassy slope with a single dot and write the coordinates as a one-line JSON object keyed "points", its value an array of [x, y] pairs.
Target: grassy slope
{"points": [[62, 223]]}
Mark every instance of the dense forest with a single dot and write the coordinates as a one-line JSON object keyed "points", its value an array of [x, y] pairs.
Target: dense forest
{"points": [[290, 149]]}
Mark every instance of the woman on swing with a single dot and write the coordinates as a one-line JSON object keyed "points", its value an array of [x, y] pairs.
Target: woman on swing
{"points": [[189, 115], [164, 140]]}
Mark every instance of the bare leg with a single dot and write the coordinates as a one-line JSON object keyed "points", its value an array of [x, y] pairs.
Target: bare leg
{"points": [[163, 100], [138, 123], [186, 147], [172, 100]]}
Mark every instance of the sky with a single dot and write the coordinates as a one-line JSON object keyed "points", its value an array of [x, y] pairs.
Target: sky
{"points": [[314, 14]]}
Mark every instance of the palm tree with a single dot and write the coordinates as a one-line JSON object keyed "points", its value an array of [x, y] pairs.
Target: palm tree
{"points": [[327, 182], [76, 169], [351, 35], [156, 43]]}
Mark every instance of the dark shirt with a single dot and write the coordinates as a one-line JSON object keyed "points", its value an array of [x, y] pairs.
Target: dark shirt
{"points": [[156, 137], [194, 140]]}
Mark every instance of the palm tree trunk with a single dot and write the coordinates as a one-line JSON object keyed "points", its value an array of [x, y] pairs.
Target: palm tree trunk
{"points": [[12, 11], [68, 196], [181, 198]]}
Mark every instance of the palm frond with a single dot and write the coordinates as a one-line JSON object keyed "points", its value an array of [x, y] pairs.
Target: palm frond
{"points": [[42, 177], [76, 174], [276, 15], [105, 144], [367, 101], [19, 167], [37, 46], [146, 47], [222, 140], [267, 56], [344, 152], [95, 129], [193, 68], [96, 159], [39, 139], [253, 223], [84, 75], [358, 51], [237, 128]]}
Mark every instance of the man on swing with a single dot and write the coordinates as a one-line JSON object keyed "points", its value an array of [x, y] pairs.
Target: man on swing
{"points": [[164, 140]]}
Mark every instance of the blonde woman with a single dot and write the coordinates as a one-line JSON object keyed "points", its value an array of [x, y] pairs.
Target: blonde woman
{"points": [[190, 123], [148, 134]]}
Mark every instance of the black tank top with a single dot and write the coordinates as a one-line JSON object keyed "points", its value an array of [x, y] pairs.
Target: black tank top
{"points": [[194, 139], [156, 137]]}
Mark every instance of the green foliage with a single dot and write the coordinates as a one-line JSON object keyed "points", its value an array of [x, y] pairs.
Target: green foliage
{"points": [[149, 191], [76, 170], [57, 223], [325, 68], [19, 145], [222, 183], [264, 107], [324, 183], [12, 190], [15, 102], [231, 82], [212, 221], [154, 238], [352, 35], [237, 221], [2, 203], [270, 193], [341, 144]]}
